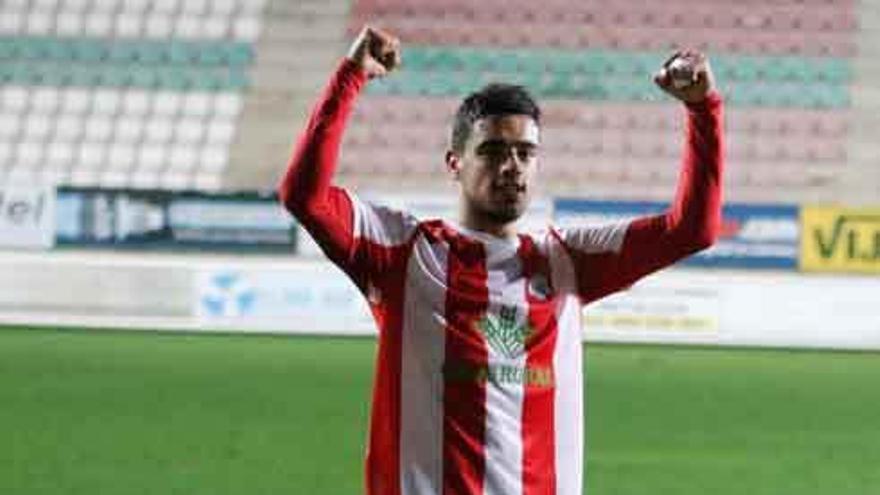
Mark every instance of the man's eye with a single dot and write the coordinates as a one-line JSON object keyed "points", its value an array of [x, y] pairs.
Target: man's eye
{"points": [[494, 151], [526, 152]]}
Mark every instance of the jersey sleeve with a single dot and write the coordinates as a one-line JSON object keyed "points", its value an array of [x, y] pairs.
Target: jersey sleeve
{"points": [[348, 230], [612, 257]]}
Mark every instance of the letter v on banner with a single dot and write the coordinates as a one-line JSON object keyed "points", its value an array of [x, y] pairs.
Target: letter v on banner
{"points": [[840, 239]]}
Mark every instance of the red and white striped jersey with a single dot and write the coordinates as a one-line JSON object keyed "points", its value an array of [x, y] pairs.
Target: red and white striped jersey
{"points": [[479, 385]]}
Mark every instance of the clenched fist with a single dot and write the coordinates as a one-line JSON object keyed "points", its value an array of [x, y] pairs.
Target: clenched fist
{"points": [[375, 51], [687, 76]]}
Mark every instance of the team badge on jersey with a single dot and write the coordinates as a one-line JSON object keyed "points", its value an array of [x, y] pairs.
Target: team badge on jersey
{"points": [[503, 334]]}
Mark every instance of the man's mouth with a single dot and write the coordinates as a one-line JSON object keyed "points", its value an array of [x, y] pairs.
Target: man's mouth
{"points": [[510, 188]]}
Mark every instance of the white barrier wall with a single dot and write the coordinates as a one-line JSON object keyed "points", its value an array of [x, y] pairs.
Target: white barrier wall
{"points": [[192, 292]]}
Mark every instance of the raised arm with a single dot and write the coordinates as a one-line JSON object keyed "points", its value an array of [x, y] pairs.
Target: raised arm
{"points": [[613, 257], [306, 188]]}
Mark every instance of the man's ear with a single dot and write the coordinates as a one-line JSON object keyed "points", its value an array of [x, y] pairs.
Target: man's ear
{"points": [[453, 164]]}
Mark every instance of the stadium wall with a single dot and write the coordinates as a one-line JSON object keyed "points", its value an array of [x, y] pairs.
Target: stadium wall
{"points": [[287, 295]]}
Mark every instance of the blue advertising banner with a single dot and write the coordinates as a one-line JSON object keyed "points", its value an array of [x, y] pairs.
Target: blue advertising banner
{"points": [[752, 236], [177, 220]]}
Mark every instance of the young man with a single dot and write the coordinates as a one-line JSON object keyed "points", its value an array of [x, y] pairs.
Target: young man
{"points": [[478, 386]]}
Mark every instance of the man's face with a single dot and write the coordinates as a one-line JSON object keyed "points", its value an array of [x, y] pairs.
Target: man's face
{"points": [[497, 167]]}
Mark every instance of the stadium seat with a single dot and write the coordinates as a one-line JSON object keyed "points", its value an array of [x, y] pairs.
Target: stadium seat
{"points": [[214, 158], [69, 129]]}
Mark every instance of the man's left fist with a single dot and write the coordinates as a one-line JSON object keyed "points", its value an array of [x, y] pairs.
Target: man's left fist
{"points": [[687, 76]]}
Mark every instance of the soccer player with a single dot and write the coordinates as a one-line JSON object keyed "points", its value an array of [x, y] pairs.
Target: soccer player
{"points": [[478, 385]]}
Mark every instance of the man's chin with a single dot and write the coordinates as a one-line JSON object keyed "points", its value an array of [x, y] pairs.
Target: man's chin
{"points": [[507, 213]]}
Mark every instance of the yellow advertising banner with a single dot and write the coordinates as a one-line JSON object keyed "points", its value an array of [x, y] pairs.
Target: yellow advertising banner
{"points": [[837, 239]]}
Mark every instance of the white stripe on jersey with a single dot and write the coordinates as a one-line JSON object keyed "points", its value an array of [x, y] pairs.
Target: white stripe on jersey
{"points": [[567, 364], [504, 400], [423, 351], [592, 240], [380, 224]]}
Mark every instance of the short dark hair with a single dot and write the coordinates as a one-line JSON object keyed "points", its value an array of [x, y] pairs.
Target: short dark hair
{"points": [[495, 99]]}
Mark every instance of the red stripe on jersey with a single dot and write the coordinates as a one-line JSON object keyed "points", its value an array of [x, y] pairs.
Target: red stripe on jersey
{"points": [[383, 450], [464, 400], [538, 429]]}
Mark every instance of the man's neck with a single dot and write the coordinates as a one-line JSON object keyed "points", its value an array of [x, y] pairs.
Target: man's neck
{"points": [[501, 230]]}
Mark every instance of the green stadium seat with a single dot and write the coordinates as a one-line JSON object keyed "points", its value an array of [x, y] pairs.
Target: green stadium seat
{"points": [[91, 51], [121, 53], [150, 53], [240, 54], [210, 54], [120, 76], [173, 78], [179, 53]]}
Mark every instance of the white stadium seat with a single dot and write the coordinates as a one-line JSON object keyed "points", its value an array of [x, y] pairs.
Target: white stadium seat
{"points": [[152, 158], [214, 159], [122, 156], [158, 131], [14, 99], [247, 29], [60, 155], [69, 128], [167, 103], [197, 104], [183, 158], [190, 131], [107, 102], [144, 179], [98, 129], [69, 24], [220, 132], [195, 7], [45, 5], [45, 100], [188, 26], [129, 25], [129, 129], [40, 23], [136, 7], [30, 154], [104, 6], [175, 181], [159, 25], [166, 6], [99, 24], [227, 105], [208, 182], [215, 27], [114, 179], [224, 7], [37, 127], [76, 101], [76, 5], [136, 103], [83, 177], [91, 156], [10, 127], [11, 23]]}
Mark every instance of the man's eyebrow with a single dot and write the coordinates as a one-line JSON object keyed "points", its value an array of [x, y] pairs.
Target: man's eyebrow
{"points": [[497, 142]]}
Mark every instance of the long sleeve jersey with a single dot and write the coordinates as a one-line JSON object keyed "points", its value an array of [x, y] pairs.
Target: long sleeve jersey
{"points": [[479, 375]]}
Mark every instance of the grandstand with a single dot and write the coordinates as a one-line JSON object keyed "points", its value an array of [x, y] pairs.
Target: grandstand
{"points": [[209, 94]]}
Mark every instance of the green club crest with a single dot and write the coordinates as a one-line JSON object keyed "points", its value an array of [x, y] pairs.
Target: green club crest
{"points": [[503, 334]]}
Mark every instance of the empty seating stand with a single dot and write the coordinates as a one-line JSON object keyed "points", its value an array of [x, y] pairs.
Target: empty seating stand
{"points": [[124, 93], [784, 67]]}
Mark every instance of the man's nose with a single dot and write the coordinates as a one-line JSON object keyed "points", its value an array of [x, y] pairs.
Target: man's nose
{"points": [[512, 161]]}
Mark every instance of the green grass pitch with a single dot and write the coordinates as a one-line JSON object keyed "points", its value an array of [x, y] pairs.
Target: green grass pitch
{"points": [[85, 412]]}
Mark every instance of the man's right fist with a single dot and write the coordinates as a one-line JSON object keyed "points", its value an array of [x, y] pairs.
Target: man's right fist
{"points": [[375, 51]]}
